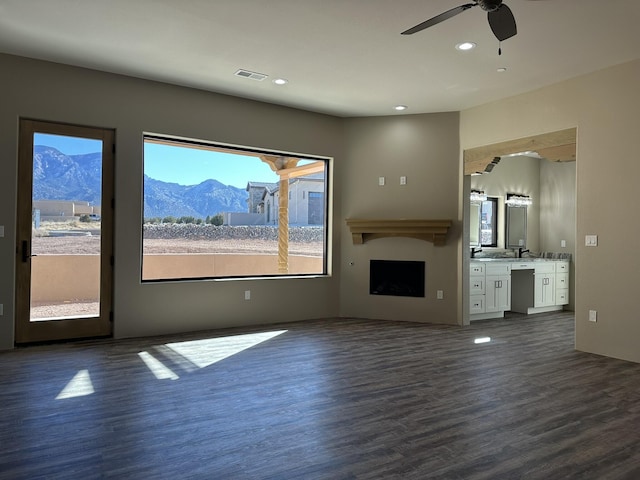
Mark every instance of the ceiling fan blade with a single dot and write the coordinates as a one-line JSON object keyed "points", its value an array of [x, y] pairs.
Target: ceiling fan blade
{"points": [[502, 23], [439, 18]]}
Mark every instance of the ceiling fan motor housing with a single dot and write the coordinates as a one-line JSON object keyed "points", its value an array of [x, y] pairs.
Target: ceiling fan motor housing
{"points": [[489, 5]]}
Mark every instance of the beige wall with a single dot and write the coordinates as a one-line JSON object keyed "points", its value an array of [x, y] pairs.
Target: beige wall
{"points": [[48, 91], [604, 106], [425, 149]]}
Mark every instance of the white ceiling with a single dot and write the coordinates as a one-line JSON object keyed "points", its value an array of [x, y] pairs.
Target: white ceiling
{"points": [[341, 57]]}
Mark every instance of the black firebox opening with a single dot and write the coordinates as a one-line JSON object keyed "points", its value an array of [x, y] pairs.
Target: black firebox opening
{"points": [[395, 277]]}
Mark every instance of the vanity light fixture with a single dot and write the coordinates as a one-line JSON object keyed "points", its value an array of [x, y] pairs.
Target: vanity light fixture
{"points": [[514, 200], [478, 196]]}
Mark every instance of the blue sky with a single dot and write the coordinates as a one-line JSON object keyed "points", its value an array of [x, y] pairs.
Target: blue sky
{"points": [[190, 166], [68, 145], [185, 166]]}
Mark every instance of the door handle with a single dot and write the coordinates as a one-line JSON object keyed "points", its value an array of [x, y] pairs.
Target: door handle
{"points": [[25, 251]]}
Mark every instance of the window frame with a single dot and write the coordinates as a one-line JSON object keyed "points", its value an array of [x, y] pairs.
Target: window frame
{"points": [[494, 223], [327, 192]]}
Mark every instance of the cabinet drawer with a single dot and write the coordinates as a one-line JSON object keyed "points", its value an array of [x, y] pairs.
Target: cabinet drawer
{"points": [[562, 296], [545, 267], [498, 269], [523, 266], [562, 280], [476, 304], [476, 269], [476, 286], [562, 267]]}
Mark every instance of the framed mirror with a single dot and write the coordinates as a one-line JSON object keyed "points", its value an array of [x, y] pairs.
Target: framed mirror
{"points": [[516, 223]]}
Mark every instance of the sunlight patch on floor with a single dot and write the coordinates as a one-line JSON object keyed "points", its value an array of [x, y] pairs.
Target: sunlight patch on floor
{"points": [[203, 353], [159, 369], [79, 386]]}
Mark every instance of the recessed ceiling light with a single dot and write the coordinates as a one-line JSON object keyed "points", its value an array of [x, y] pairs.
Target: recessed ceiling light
{"points": [[464, 46], [400, 107], [281, 81], [502, 69]]}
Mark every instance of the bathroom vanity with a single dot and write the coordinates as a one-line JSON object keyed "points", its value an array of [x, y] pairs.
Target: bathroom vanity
{"points": [[524, 285]]}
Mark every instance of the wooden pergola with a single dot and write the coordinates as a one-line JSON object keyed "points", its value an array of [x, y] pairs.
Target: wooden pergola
{"points": [[286, 168]]}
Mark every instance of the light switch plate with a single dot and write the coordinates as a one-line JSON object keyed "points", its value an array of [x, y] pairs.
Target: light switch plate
{"points": [[593, 316], [403, 180], [1, 230], [591, 240], [381, 181]]}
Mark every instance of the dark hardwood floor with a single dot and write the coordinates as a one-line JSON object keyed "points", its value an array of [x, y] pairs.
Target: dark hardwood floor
{"points": [[334, 399]]}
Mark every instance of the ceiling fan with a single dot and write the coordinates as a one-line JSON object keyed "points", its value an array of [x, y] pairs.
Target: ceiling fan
{"points": [[501, 20]]}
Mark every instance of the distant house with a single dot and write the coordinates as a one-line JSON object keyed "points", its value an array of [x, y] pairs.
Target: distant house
{"points": [[63, 209], [306, 202], [257, 192]]}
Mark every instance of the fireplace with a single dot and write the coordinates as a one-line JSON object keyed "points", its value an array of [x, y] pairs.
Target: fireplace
{"points": [[396, 277]]}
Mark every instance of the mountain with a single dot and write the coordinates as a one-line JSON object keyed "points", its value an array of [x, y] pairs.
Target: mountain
{"points": [[57, 176], [210, 197]]}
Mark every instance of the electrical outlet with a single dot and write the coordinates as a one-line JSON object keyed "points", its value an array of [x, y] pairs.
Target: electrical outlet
{"points": [[403, 180], [563, 244], [1, 230], [247, 294], [593, 316], [439, 294], [1, 309]]}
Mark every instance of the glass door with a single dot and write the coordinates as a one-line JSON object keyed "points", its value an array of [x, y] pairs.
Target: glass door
{"points": [[64, 251]]}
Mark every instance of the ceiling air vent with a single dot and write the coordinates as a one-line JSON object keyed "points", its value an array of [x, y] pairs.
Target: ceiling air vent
{"points": [[252, 75]]}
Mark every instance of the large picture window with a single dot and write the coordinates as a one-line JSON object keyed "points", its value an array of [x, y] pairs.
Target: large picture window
{"points": [[214, 211]]}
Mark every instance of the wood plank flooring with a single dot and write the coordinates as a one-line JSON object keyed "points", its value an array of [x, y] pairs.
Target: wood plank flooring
{"points": [[333, 399]]}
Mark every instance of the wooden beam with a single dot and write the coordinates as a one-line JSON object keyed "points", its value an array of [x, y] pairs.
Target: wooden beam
{"points": [[561, 153], [302, 170], [560, 145]]}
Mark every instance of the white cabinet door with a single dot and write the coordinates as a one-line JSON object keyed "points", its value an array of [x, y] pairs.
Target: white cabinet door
{"points": [[544, 294], [498, 293]]}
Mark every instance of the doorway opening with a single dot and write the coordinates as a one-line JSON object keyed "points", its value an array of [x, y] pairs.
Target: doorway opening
{"points": [[554, 152]]}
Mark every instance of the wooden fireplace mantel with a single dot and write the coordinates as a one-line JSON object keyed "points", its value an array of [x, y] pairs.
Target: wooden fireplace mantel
{"points": [[434, 231]]}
